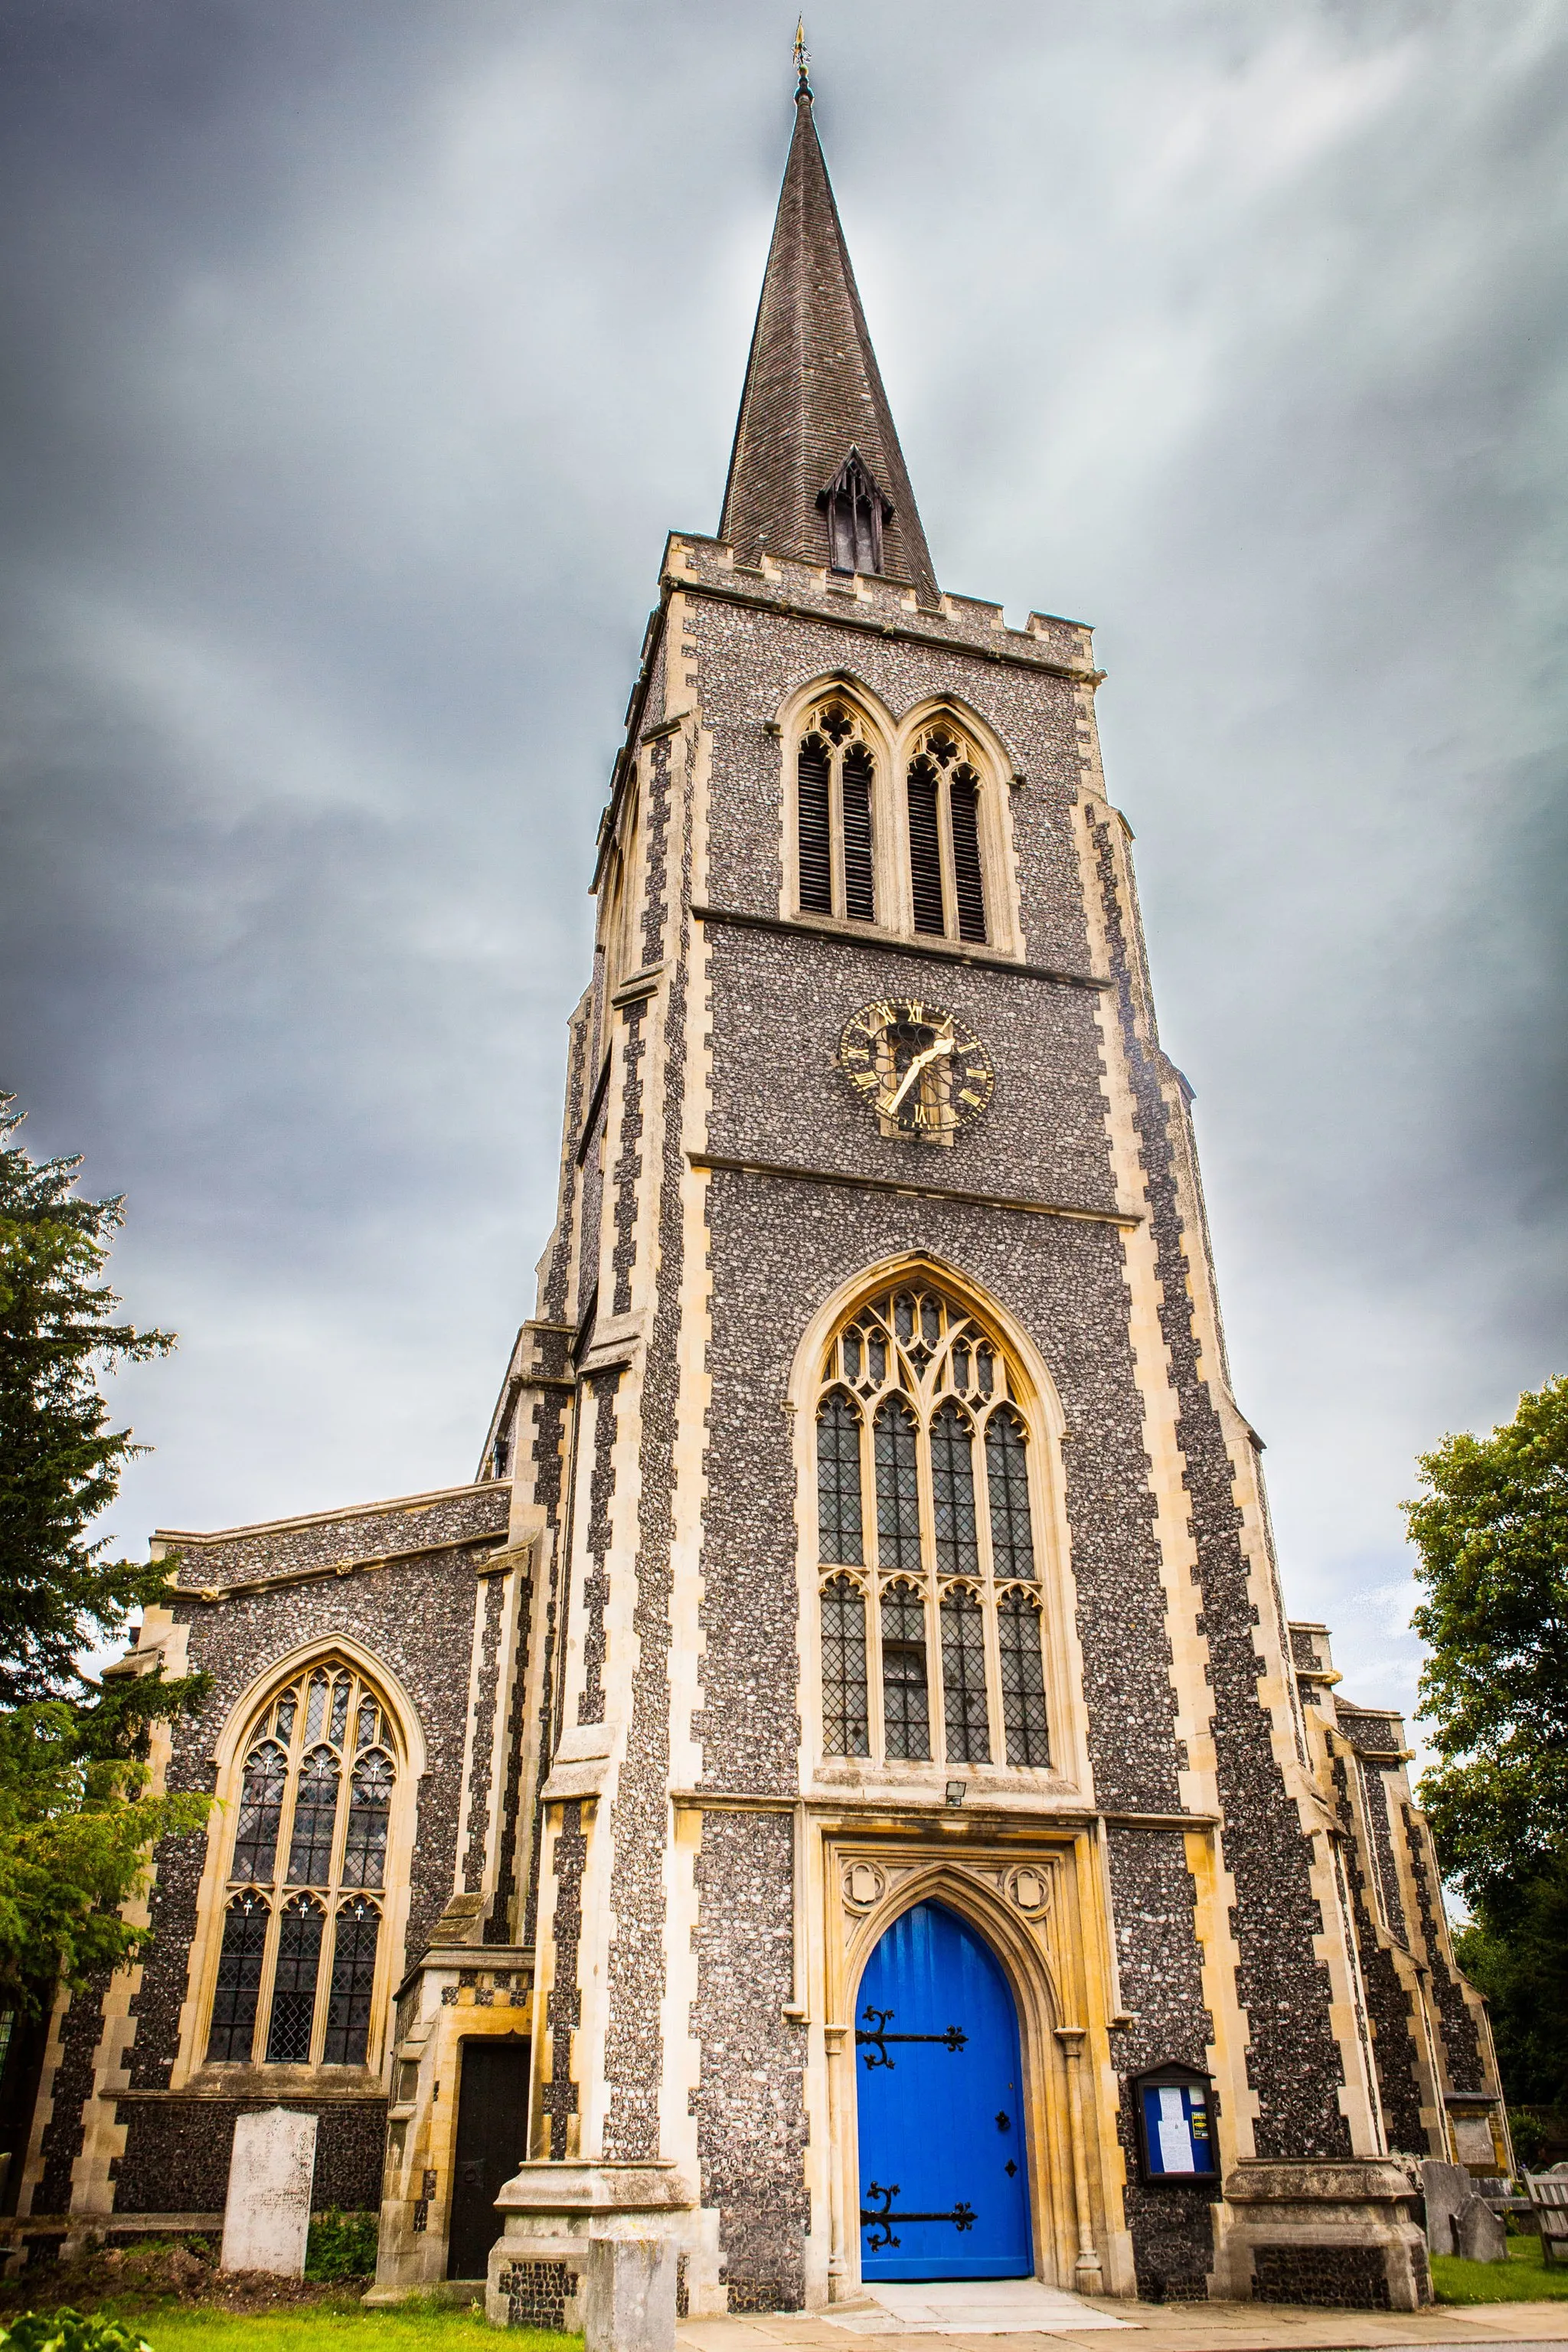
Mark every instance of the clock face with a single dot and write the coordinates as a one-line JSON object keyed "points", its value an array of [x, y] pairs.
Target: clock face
{"points": [[919, 1069]]}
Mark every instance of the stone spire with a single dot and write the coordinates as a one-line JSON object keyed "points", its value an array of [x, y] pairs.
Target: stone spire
{"points": [[814, 401]]}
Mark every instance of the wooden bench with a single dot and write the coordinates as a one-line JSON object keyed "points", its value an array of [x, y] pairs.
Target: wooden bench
{"points": [[1547, 2194]]}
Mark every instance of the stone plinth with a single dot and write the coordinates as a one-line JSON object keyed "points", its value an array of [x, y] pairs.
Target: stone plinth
{"points": [[596, 2247], [1339, 2233], [267, 2217]]}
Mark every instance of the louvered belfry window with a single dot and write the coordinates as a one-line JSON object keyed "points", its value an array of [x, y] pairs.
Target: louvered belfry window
{"points": [[296, 1965], [931, 1597], [835, 780], [946, 874]]}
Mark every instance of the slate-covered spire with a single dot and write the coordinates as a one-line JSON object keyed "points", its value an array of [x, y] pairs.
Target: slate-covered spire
{"points": [[813, 400]]}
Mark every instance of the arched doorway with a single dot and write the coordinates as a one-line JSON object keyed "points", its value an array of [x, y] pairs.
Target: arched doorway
{"points": [[944, 2168]]}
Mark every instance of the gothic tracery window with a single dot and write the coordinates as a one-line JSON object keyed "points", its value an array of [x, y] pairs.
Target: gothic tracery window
{"points": [[835, 781], [931, 1599], [946, 879], [296, 1965]]}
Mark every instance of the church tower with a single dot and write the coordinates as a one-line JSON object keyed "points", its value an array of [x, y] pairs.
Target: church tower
{"points": [[835, 1801], [912, 1730]]}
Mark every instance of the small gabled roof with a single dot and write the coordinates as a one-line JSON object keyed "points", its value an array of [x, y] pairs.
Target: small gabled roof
{"points": [[813, 390]]}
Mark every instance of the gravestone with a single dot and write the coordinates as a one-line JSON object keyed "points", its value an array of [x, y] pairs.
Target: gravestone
{"points": [[267, 2216], [1447, 2189], [1481, 2235]]}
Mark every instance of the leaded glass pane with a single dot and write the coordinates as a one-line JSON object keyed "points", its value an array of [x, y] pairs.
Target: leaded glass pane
{"points": [[316, 1708], [232, 2028], [906, 1703], [846, 1724], [260, 1812], [952, 1494], [357, 1926], [315, 1818], [340, 1710], [1023, 1680], [898, 1488], [839, 1535], [369, 1727], [294, 1985], [964, 1679], [285, 1712], [1007, 1476], [370, 1810]]}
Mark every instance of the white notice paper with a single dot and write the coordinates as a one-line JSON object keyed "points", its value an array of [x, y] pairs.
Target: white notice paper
{"points": [[1175, 2135]]}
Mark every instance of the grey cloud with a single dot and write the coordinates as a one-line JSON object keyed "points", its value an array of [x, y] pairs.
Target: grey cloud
{"points": [[363, 357]]}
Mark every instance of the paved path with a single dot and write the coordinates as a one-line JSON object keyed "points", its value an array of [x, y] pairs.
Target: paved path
{"points": [[1027, 2315]]}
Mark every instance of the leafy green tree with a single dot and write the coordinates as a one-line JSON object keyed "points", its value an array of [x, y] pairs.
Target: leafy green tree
{"points": [[77, 1815], [1491, 1533], [77, 1826]]}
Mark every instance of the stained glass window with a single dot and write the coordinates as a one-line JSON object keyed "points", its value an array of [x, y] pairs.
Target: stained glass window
{"points": [[898, 1488], [370, 1810], [316, 1791], [1007, 1476], [1023, 1680], [294, 1982], [952, 1528], [953, 1493], [906, 1700], [963, 1678], [315, 1818], [240, 1959], [358, 1925], [845, 1724], [261, 1796], [839, 1532]]}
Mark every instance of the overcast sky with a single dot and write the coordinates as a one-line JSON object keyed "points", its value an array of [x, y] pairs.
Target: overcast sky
{"points": [[363, 355]]}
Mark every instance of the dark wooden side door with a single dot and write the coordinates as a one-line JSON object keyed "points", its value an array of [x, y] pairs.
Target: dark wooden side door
{"points": [[492, 2140]]}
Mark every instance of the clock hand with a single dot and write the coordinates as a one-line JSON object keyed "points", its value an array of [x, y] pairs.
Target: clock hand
{"points": [[931, 1054]]}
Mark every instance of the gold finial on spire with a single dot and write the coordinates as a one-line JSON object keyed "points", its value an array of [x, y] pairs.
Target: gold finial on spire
{"points": [[802, 54]]}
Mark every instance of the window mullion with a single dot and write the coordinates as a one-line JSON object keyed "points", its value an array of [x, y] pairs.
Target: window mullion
{"points": [[999, 1735], [324, 1978], [877, 1723], [264, 1990], [934, 1700]]}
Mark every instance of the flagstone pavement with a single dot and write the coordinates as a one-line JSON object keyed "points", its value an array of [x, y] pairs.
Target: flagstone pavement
{"points": [[996, 2314]]}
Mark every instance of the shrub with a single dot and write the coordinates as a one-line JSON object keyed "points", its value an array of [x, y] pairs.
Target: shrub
{"points": [[341, 2246], [69, 2331]]}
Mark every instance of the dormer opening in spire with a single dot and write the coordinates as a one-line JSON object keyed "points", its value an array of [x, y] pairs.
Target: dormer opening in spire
{"points": [[812, 393], [857, 509]]}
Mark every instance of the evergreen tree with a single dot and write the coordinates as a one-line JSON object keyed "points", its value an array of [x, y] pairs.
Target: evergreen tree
{"points": [[1491, 1533], [60, 1461], [76, 1818]]}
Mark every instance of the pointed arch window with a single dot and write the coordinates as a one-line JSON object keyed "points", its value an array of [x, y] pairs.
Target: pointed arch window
{"points": [[931, 1603], [297, 1969], [835, 788], [946, 872]]}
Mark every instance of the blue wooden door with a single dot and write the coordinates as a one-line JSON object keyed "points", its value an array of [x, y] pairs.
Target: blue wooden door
{"points": [[944, 2188]]}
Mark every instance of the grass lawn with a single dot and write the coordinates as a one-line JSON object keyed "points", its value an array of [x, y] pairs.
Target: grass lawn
{"points": [[1523, 2278], [334, 2327]]}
